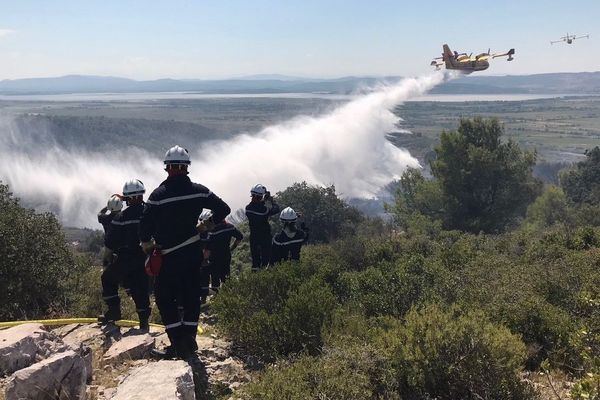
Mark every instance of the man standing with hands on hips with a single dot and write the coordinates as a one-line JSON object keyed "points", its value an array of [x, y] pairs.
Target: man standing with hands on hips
{"points": [[168, 224]]}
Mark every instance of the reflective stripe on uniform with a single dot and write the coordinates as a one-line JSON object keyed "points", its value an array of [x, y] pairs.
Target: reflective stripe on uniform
{"points": [[173, 325], [290, 242], [221, 231], [256, 212], [133, 221], [191, 240], [109, 297], [178, 198], [188, 323]]}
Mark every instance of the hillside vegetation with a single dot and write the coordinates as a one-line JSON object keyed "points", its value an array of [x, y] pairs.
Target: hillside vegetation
{"points": [[484, 278]]}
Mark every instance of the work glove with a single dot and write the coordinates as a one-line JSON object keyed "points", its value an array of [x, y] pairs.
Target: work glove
{"points": [[148, 247]]}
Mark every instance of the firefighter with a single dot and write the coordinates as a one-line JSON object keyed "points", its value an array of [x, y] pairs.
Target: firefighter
{"points": [[113, 206], [125, 260], [168, 223], [220, 248], [259, 210], [288, 243]]}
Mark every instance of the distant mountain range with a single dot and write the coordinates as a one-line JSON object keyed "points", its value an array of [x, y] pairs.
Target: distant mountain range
{"points": [[558, 83]]}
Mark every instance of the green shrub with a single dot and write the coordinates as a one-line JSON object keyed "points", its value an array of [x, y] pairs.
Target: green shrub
{"points": [[276, 312], [354, 364], [456, 355], [344, 376], [587, 341], [581, 184], [327, 216], [549, 208], [585, 238], [383, 291], [34, 261]]}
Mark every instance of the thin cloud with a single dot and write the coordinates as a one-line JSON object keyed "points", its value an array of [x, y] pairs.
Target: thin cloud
{"points": [[6, 32]]}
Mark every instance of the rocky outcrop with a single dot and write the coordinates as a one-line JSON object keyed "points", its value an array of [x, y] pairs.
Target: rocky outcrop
{"points": [[62, 376], [132, 347], [91, 334], [106, 362], [24, 345], [163, 380]]}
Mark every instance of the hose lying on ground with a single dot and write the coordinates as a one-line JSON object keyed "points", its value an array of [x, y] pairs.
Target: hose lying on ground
{"points": [[67, 321]]}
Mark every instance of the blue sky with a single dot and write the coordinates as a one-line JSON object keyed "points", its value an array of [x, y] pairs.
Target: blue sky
{"points": [[326, 38]]}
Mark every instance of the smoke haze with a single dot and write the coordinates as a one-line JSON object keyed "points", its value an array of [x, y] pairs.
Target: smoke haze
{"points": [[346, 147]]}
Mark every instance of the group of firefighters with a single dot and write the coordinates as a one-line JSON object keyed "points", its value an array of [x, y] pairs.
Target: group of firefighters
{"points": [[180, 237]]}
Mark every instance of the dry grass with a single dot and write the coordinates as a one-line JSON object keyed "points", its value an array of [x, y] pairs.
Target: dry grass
{"points": [[553, 386]]}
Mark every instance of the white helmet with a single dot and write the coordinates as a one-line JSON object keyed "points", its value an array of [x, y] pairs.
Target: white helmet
{"points": [[258, 190], [177, 155], [288, 215], [134, 187], [206, 214], [114, 204]]}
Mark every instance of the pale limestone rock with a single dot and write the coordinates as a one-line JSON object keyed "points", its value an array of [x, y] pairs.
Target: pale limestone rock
{"points": [[130, 347], [25, 344], [163, 380], [62, 376]]}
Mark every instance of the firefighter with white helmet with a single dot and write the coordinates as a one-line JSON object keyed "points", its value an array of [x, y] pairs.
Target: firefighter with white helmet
{"points": [[219, 248], [168, 224], [106, 215], [288, 243], [127, 266], [260, 209]]}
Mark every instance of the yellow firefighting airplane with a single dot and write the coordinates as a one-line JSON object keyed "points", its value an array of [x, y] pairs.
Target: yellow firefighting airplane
{"points": [[466, 63], [569, 38]]}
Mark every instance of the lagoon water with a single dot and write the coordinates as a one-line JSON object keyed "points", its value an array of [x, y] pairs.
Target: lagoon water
{"points": [[150, 96]]}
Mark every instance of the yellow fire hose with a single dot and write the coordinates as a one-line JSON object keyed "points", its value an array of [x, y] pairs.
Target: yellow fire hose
{"points": [[67, 321]]}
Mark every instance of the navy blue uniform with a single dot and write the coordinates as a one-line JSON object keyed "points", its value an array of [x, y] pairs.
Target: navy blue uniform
{"points": [[286, 247], [105, 219], [128, 268], [260, 232], [170, 217], [219, 244]]}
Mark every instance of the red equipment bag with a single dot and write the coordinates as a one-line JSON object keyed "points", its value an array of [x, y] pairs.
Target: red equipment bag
{"points": [[153, 263]]}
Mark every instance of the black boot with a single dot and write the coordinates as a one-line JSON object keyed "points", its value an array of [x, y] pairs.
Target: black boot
{"points": [[185, 348], [144, 317], [169, 353], [113, 313], [144, 324]]}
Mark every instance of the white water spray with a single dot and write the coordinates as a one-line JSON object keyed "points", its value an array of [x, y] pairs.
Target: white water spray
{"points": [[346, 147]]}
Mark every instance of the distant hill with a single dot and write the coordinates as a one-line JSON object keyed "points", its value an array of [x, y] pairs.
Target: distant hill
{"points": [[563, 83], [560, 83]]}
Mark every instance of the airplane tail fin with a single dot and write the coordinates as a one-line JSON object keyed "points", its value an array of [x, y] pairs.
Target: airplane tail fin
{"points": [[510, 54]]}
